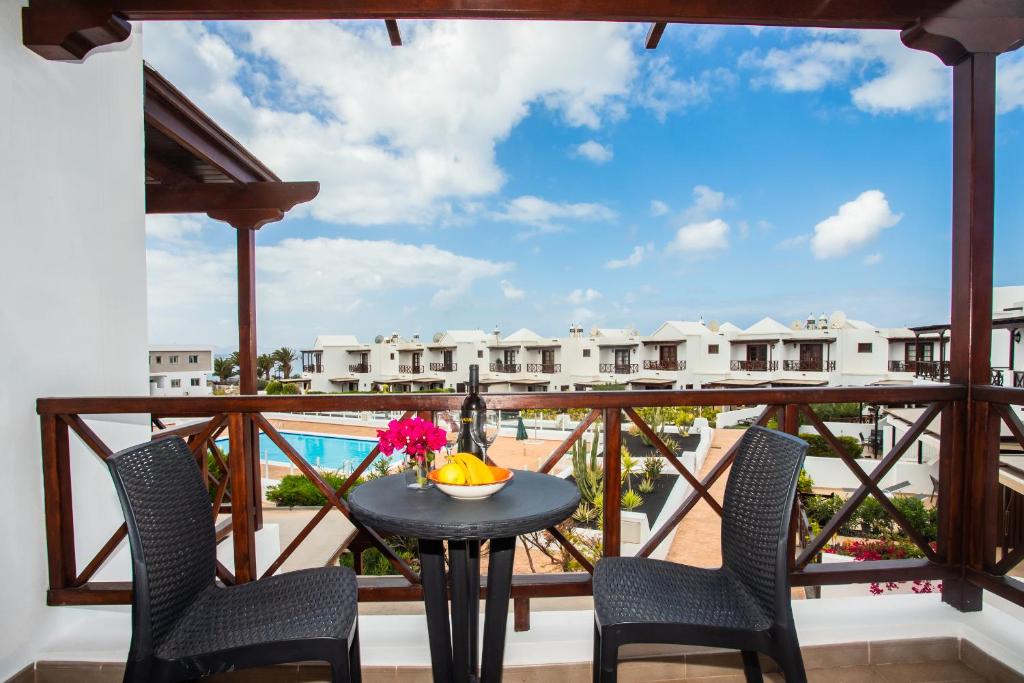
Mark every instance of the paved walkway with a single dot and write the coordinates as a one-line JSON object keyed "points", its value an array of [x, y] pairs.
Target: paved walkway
{"points": [[697, 541]]}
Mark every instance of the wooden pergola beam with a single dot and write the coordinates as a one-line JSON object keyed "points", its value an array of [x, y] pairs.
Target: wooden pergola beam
{"points": [[394, 35], [70, 29], [223, 197], [654, 35]]}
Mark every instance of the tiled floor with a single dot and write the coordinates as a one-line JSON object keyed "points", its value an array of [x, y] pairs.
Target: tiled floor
{"points": [[936, 660]]}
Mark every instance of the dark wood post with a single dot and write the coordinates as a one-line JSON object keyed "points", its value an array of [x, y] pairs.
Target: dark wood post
{"points": [[612, 481], [243, 527], [60, 528]]}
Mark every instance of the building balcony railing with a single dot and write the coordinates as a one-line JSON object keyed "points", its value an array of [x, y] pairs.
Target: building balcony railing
{"points": [[620, 369], [506, 368], [443, 367], [317, 368], [936, 370], [235, 482], [361, 368], [809, 365], [898, 366], [410, 369], [755, 365], [545, 368], [1018, 379], [671, 365]]}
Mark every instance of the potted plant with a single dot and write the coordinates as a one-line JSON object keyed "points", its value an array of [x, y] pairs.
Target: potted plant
{"points": [[419, 440]]}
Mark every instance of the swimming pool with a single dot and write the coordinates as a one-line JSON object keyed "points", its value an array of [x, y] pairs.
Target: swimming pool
{"points": [[325, 452]]}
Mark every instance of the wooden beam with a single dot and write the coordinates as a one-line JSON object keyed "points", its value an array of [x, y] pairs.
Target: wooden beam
{"points": [[224, 198], [393, 33], [654, 35]]}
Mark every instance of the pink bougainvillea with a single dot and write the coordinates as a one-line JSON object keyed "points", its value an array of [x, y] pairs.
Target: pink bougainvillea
{"points": [[414, 436], [880, 549]]}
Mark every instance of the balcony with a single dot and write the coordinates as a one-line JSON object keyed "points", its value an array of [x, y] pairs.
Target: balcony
{"points": [[1018, 379], [506, 368], [620, 369], [317, 368], [443, 367], [669, 365], [544, 368], [361, 368], [410, 369], [809, 365], [754, 365]]}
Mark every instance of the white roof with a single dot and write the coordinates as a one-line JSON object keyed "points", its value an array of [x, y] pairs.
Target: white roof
{"points": [[686, 327], [729, 327], [523, 334], [857, 325], [464, 336], [181, 347], [614, 332], [324, 340], [767, 326]]}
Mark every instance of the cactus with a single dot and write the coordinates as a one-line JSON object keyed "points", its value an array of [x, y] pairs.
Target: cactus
{"points": [[589, 477]]}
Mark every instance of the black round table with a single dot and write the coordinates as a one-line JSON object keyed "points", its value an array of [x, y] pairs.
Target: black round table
{"points": [[530, 502]]}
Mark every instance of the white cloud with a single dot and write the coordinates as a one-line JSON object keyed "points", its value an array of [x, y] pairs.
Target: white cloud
{"points": [[663, 93], [706, 203], [172, 228], [595, 151], [298, 276], [794, 241], [883, 74], [581, 314], [1010, 82], [579, 296], [857, 223], [544, 216], [658, 207], [631, 261], [701, 237], [395, 135], [511, 291], [873, 259]]}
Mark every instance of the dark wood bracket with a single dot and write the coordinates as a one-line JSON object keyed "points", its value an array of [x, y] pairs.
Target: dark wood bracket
{"points": [[69, 35]]}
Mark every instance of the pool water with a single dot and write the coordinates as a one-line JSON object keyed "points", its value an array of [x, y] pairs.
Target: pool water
{"points": [[324, 452]]}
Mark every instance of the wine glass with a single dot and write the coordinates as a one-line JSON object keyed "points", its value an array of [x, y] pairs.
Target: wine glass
{"points": [[485, 427]]}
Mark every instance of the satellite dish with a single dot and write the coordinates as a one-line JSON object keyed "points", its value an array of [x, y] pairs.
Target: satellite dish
{"points": [[593, 331], [378, 339], [714, 326], [838, 319], [437, 336], [796, 325]]}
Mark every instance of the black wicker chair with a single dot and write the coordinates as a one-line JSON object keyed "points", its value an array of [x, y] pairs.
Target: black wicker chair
{"points": [[184, 625], [745, 604]]}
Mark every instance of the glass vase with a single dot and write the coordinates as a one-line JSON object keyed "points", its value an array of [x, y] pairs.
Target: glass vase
{"points": [[416, 475]]}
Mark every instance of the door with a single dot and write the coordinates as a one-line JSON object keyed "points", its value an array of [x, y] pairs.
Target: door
{"points": [[447, 360], [757, 356], [417, 358], [621, 360], [510, 358], [667, 357], [812, 357], [547, 360]]}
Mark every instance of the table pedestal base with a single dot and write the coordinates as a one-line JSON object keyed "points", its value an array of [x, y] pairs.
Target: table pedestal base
{"points": [[453, 653]]}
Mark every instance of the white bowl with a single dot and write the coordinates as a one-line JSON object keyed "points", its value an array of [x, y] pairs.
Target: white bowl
{"points": [[473, 492]]}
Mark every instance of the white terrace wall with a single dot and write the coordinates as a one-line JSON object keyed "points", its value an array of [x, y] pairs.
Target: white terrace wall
{"points": [[73, 314]]}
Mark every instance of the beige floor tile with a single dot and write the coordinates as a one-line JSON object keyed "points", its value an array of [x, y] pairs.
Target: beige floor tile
{"points": [[845, 674], [928, 672], [986, 665], [914, 650], [833, 656]]}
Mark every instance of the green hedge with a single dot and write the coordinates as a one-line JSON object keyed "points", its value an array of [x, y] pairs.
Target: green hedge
{"points": [[819, 446], [871, 520], [296, 489]]}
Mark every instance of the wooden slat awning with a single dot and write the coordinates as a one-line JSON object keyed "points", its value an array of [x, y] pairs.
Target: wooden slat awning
{"points": [[194, 166]]}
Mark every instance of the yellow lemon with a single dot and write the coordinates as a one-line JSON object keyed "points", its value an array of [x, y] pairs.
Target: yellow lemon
{"points": [[451, 473]]}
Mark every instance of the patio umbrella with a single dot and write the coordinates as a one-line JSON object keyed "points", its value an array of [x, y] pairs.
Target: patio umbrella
{"points": [[521, 430]]}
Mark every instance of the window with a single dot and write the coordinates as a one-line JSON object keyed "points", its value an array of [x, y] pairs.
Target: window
{"points": [[194, 382], [586, 353], [156, 359], [193, 359], [479, 354], [392, 356], [864, 348], [175, 383], [712, 348], [173, 360], [565, 387]]}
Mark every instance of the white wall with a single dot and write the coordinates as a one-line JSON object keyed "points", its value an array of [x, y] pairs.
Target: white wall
{"points": [[73, 271]]}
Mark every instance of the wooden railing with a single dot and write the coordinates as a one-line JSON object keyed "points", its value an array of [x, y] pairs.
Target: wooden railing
{"points": [[444, 367], [620, 368], [236, 484], [671, 365], [809, 365], [755, 365], [544, 368]]}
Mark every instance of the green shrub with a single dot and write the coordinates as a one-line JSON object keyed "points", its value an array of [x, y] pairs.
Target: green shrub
{"points": [[296, 489], [819, 446], [820, 509], [632, 500], [804, 484]]}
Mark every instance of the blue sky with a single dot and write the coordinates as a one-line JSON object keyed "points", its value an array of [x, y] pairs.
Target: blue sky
{"points": [[512, 175]]}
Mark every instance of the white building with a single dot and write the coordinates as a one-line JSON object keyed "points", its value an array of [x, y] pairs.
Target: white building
{"points": [[180, 370]]}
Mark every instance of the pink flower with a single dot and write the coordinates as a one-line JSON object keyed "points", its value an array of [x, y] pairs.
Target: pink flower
{"points": [[414, 436]]}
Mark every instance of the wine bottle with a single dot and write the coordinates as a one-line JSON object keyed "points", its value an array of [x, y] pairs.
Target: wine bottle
{"points": [[472, 414]]}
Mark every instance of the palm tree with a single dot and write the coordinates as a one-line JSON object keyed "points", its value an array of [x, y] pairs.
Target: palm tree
{"points": [[284, 357], [225, 367], [264, 365]]}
